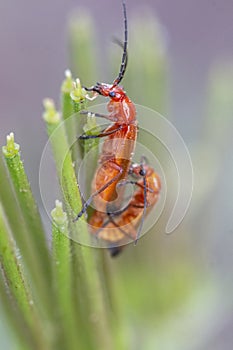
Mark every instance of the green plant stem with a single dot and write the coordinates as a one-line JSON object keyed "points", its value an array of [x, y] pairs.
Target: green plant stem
{"points": [[66, 100], [15, 280], [12, 268], [27, 203], [91, 128], [91, 152], [62, 268], [78, 96], [17, 225], [94, 311], [57, 136], [15, 319], [28, 232], [68, 111]]}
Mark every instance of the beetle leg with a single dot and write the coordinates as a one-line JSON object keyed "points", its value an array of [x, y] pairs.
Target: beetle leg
{"points": [[89, 200], [101, 134]]}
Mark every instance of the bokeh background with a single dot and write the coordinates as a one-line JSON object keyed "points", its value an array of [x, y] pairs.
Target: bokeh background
{"points": [[175, 292]]}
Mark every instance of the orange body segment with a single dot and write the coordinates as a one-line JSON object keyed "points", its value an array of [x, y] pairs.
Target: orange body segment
{"points": [[119, 228]]}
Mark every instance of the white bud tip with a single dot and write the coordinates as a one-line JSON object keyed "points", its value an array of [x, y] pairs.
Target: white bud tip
{"points": [[58, 204], [10, 137], [68, 73], [48, 103]]}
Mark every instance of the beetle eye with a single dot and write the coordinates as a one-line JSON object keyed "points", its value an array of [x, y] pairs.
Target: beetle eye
{"points": [[112, 94], [142, 172]]}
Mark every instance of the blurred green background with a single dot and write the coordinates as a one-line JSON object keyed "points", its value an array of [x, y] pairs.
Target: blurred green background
{"points": [[173, 292]]}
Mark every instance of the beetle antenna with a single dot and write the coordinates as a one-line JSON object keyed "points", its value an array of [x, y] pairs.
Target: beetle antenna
{"points": [[125, 55]]}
